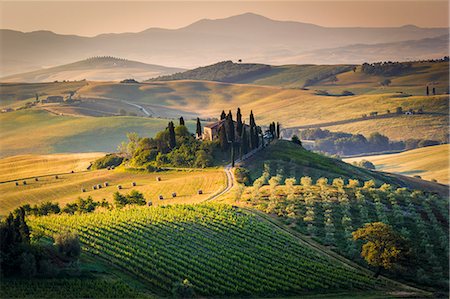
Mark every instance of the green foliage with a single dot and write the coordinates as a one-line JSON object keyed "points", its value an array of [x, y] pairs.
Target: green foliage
{"points": [[386, 68], [365, 164], [242, 175], [107, 161], [296, 140], [223, 251], [64, 288], [382, 247], [415, 223], [133, 198], [225, 71], [68, 245], [183, 289]]}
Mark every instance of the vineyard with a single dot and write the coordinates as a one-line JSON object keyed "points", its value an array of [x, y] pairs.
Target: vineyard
{"points": [[330, 211], [66, 288], [219, 249]]}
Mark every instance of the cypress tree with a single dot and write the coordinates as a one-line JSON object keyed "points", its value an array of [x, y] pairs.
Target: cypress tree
{"points": [[252, 119], [239, 124], [172, 140], [199, 128], [182, 121], [223, 115], [252, 138], [428, 90], [278, 130], [257, 133], [434, 91], [223, 138], [230, 127], [244, 142]]}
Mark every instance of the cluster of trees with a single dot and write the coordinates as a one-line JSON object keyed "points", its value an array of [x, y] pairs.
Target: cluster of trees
{"points": [[110, 160], [235, 135], [129, 81], [175, 146], [80, 206], [329, 74], [133, 198], [225, 71], [364, 164], [387, 68], [275, 130], [21, 258], [341, 143]]}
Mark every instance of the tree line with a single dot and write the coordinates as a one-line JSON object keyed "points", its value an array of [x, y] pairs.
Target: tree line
{"points": [[341, 143]]}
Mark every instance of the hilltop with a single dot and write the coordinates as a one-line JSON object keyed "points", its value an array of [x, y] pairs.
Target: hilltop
{"points": [[96, 68], [249, 37]]}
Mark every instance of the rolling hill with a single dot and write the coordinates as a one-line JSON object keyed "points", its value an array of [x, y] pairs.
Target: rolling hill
{"points": [[41, 132], [220, 250], [248, 36], [429, 163], [289, 160], [94, 69]]}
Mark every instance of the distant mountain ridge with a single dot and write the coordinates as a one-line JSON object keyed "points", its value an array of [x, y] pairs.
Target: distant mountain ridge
{"points": [[103, 68], [249, 37]]}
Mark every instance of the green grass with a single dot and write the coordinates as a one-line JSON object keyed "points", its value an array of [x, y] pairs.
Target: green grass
{"points": [[221, 250], [290, 160], [15, 94], [40, 132]]}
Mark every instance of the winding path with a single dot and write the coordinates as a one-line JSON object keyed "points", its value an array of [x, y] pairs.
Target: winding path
{"points": [[138, 106]]}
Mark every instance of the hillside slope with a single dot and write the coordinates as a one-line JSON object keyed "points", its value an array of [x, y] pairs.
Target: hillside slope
{"points": [[429, 163], [220, 250], [40, 132], [95, 69], [290, 160]]}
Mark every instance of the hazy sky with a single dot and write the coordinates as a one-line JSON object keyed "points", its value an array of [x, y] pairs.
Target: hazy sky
{"points": [[91, 18]]}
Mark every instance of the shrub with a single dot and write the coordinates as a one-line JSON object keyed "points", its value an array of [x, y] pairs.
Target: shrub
{"points": [[242, 175], [183, 289], [68, 245], [366, 164], [107, 161]]}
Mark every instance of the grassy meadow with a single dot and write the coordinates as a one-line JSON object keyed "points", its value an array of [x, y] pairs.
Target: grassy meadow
{"points": [[68, 187], [27, 166], [428, 162], [40, 132]]}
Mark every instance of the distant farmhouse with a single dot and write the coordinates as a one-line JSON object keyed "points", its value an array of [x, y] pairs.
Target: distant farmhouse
{"points": [[4, 110], [211, 131], [53, 99]]}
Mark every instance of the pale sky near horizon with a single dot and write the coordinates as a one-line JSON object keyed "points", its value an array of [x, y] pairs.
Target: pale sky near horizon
{"points": [[90, 18]]}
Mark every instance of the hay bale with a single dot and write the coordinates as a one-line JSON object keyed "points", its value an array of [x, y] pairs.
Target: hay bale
{"points": [[99, 186], [200, 191], [149, 204], [24, 182], [112, 167], [119, 187], [56, 177], [174, 194], [158, 179], [161, 197], [17, 183], [36, 179], [83, 190], [94, 187], [108, 168], [134, 184], [106, 184], [72, 171]]}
